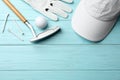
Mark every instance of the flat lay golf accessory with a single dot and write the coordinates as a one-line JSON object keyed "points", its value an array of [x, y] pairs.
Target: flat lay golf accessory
{"points": [[5, 22], [45, 34], [14, 34], [41, 22], [35, 37], [18, 26], [51, 8], [94, 19]]}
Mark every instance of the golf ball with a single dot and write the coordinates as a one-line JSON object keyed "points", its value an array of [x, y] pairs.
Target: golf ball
{"points": [[41, 22]]}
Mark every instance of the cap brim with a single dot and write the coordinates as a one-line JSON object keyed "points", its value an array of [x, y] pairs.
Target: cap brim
{"points": [[89, 27]]}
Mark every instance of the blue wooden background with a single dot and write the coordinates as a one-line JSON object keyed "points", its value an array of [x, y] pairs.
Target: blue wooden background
{"points": [[64, 56]]}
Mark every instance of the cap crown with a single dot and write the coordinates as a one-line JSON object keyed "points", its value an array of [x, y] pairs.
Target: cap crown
{"points": [[103, 9]]}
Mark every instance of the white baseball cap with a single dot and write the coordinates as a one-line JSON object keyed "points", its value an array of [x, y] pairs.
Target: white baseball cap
{"points": [[94, 19]]}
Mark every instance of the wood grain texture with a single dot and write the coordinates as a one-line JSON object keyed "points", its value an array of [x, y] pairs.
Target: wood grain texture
{"points": [[64, 56], [60, 57], [58, 75]]}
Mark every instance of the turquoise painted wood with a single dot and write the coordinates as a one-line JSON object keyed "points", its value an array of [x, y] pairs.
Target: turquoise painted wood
{"points": [[60, 57], [58, 75], [64, 56]]}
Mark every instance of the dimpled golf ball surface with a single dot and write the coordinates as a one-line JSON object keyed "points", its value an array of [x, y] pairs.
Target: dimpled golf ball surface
{"points": [[41, 22]]}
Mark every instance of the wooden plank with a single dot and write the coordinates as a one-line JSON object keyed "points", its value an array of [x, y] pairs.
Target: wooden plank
{"points": [[65, 36], [59, 75], [59, 57]]}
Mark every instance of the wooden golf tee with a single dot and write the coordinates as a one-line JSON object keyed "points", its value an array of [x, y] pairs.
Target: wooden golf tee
{"points": [[22, 18]]}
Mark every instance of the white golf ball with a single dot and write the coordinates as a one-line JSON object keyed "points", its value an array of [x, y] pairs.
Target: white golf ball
{"points": [[41, 22]]}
